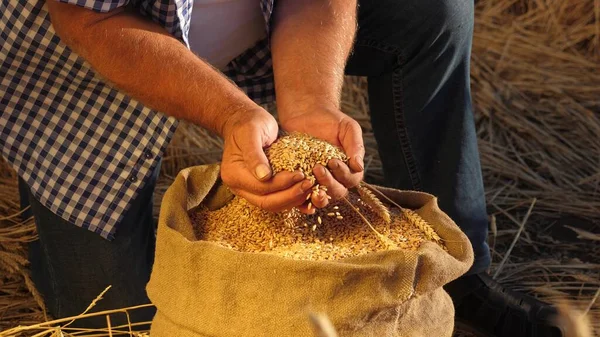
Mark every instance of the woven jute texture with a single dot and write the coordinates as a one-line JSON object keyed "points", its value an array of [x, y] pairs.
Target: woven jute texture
{"points": [[203, 289]]}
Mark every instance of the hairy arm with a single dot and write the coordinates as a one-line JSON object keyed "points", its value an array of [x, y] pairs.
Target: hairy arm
{"points": [[142, 59], [311, 42]]}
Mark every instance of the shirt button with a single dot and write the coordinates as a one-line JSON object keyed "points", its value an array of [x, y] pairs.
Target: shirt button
{"points": [[148, 155], [132, 179]]}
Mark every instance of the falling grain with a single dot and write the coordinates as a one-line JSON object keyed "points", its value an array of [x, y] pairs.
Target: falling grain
{"points": [[366, 226]]}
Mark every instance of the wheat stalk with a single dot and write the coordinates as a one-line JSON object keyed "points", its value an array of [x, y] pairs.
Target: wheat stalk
{"points": [[573, 322], [415, 219], [376, 205], [93, 304], [384, 239], [34, 292], [412, 217], [321, 325]]}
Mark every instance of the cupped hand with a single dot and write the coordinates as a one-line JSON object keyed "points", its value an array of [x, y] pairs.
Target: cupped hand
{"points": [[246, 170], [337, 128]]}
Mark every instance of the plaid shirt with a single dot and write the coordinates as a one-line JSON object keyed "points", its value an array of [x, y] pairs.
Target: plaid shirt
{"points": [[85, 148]]}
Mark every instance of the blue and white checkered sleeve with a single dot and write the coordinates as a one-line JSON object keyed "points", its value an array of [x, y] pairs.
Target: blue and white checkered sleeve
{"points": [[102, 6]]}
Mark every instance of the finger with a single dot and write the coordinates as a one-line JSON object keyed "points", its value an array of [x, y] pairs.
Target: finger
{"points": [[306, 209], [254, 156], [279, 201], [324, 177], [352, 143], [237, 177], [341, 173], [320, 200]]}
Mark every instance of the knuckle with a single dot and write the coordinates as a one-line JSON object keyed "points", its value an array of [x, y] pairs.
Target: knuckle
{"points": [[322, 179], [339, 192], [234, 191], [249, 125], [227, 178], [263, 204], [350, 180], [354, 124], [319, 172], [337, 195], [336, 166], [344, 176], [354, 183], [318, 201], [282, 180], [260, 189], [299, 191]]}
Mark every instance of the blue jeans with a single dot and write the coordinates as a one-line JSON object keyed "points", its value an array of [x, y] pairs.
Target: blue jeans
{"points": [[415, 54], [70, 266]]}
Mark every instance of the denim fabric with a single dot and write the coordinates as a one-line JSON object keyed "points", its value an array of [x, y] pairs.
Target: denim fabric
{"points": [[70, 265], [416, 57]]}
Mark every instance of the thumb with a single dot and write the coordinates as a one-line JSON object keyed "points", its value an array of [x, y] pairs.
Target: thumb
{"points": [[352, 142], [255, 158]]}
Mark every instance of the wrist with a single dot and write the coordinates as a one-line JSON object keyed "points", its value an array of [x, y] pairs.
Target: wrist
{"points": [[299, 105], [238, 116]]}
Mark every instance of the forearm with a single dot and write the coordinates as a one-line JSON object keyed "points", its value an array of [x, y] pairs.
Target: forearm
{"points": [[142, 59], [310, 45]]}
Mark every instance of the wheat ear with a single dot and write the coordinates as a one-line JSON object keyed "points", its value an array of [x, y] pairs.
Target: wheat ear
{"points": [[412, 217], [415, 219], [376, 205], [384, 239]]}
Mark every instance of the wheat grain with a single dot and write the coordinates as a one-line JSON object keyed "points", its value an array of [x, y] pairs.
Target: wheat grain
{"points": [[244, 227], [301, 152]]}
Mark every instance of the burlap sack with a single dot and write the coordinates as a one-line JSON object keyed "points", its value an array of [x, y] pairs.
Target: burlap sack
{"points": [[202, 289]]}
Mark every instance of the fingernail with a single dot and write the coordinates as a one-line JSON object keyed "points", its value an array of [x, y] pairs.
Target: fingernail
{"points": [[319, 169], [306, 185], [298, 177], [262, 171], [334, 164], [359, 161]]}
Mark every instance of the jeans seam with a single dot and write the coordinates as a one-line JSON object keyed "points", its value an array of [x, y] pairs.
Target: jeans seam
{"points": [[381, 46], [398, 100], [52, 274], [402, 132], [50, 268]]}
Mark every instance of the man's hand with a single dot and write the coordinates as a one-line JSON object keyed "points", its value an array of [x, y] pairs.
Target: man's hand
{"points": [[335, 127], [142, 59], [246, 170], [310, 44]]}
